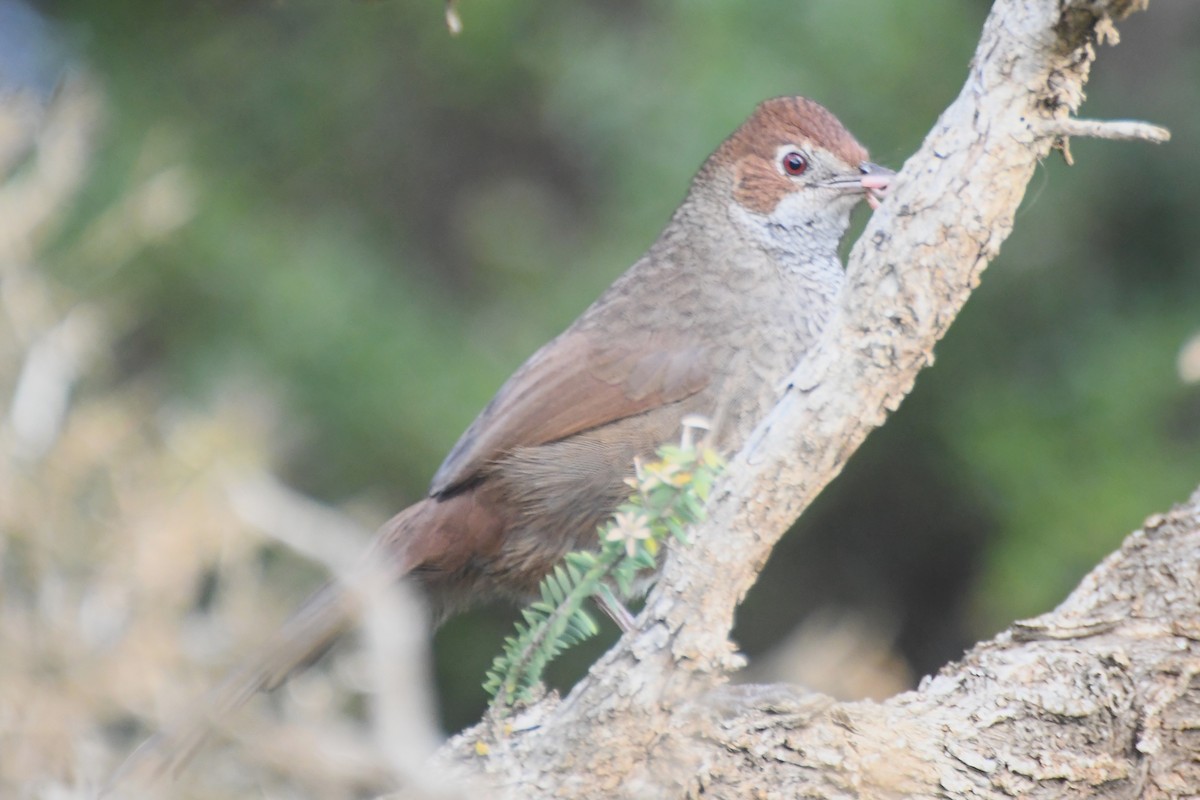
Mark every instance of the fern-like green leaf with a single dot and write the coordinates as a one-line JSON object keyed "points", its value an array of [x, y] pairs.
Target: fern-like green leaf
{"points": [[669, 496]]}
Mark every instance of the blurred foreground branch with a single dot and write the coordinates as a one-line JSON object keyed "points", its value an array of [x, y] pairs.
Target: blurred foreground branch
{"points": [[126, 573], [396, 633]]}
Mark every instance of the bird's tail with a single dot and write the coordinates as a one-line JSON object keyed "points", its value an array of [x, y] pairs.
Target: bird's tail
{"points": [[324, 618]]}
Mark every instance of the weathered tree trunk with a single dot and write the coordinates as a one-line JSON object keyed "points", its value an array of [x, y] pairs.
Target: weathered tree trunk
{"points": [[1099, 697]]}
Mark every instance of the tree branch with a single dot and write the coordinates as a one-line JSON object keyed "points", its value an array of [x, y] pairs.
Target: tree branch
{"points": [[1099, 698], [653, 718], [1120, 129]]}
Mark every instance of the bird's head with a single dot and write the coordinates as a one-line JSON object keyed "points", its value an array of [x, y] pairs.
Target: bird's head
{"points": [[793, 174]]}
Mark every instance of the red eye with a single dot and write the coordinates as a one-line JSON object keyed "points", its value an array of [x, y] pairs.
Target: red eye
{"points": [[794, 163]]}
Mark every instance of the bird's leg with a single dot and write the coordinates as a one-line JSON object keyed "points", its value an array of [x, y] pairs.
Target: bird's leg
{"points": [[610, 605]]}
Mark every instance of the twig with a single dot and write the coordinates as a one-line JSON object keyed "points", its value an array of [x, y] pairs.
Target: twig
{"points": [[453, 20], [1119, 129]]}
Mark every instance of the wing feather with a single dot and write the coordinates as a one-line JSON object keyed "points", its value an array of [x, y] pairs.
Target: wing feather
{"points": [[574, 384]]}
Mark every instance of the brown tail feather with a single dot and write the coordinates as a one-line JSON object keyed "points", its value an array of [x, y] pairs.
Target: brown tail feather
{"points": [[303, 639]]}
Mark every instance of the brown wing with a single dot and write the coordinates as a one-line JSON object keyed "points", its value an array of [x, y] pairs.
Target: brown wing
{"points": [[574, 384]]}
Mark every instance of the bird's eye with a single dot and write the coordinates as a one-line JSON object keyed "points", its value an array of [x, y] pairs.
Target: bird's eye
{"points": [[794, 163]]}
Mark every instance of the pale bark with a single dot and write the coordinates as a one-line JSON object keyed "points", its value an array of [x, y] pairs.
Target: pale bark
{"points": [[1100, 696]]}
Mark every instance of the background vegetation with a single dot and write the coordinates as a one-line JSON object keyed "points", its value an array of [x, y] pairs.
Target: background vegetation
{"points": [[319, 235]]}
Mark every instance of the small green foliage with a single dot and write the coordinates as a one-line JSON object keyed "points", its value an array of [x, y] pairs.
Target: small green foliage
{"points": [[668, 495]]}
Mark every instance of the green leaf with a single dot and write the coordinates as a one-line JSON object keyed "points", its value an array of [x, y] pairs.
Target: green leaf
{"points": [[670, 497]]}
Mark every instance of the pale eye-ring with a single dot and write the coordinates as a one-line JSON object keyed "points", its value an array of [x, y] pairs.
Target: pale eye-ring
{"points": [[793, 163]]}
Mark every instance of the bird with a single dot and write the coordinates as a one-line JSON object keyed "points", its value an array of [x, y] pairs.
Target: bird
{"points": [[710, 321]]}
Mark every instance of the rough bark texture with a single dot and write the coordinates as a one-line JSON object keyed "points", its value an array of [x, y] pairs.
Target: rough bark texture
{"points": [[1099, 697]]}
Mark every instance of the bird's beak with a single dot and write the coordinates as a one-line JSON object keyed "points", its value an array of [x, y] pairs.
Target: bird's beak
{"points": [[872, 180], [876, 181]]}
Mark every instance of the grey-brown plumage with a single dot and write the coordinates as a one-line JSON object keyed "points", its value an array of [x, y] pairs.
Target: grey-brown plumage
{"points": [[709, 321]]}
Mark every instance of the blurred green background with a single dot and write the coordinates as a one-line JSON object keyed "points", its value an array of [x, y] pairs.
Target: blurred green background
{"points": [[380, 221]]}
